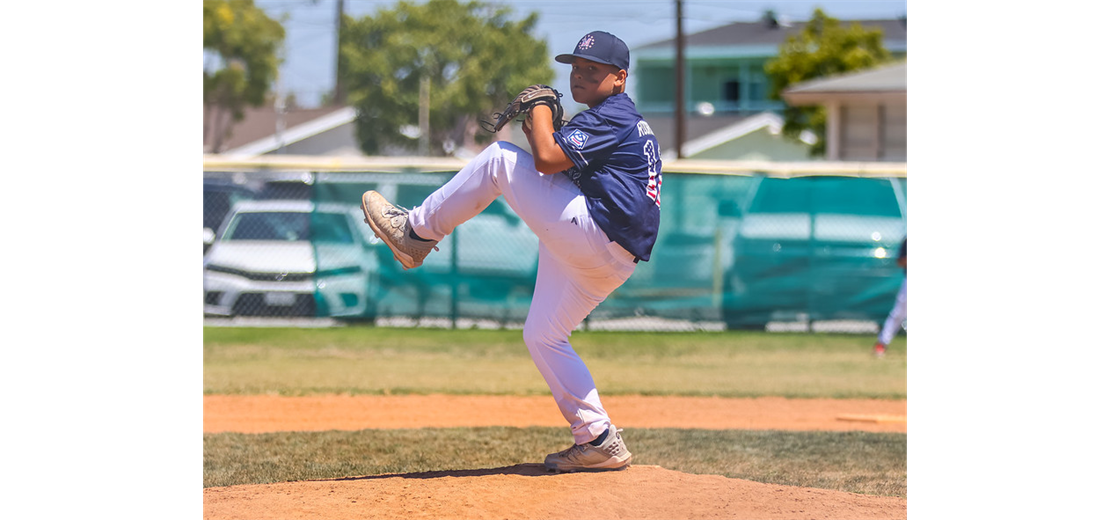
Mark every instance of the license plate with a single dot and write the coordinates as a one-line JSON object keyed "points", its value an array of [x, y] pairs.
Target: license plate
{"points": [[283, 299]]}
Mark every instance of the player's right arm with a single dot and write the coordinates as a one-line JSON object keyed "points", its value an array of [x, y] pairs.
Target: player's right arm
{"points": [[546, 153]]}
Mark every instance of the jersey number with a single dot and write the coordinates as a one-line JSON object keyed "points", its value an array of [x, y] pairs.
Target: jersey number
{"points": [[655, 177]]}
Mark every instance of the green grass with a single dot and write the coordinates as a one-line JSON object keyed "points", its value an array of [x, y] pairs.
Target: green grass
{"points": [[857, 462], [369, 360]]}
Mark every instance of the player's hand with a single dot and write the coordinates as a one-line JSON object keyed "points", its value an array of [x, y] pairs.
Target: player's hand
{"points": [[546, 153]]}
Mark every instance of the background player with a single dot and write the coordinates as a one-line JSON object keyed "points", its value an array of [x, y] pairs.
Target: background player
{"points": [[897, 314], [591, 193]]}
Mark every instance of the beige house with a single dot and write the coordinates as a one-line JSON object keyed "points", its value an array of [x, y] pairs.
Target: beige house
{"points": [[866, 112]]}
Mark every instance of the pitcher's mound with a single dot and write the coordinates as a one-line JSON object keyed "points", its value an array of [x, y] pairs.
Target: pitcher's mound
{"points": [[528, 491]]}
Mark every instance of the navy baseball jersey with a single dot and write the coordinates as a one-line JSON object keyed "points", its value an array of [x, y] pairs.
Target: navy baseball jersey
{"points": [[617, 166]]}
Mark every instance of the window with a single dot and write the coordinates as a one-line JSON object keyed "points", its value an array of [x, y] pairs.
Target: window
{"points": [[757, 89], [731, 92], [655, 87], [331, 228], [268, 226]]}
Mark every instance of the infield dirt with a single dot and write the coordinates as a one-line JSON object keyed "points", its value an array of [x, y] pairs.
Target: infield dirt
{"points": [[527, 490]]}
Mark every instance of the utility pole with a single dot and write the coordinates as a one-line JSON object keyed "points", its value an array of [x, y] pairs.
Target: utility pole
{"points": [[679, 82], [340, 94], [424, 116], [279, 110]]}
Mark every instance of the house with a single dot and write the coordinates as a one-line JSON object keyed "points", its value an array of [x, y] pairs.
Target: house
{"points": [[323, 131], [726, 84], [327, 130], [865, 112], [733, 138]]}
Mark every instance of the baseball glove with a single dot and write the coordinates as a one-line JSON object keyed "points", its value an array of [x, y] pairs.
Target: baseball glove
{"points": [[523, 103]]}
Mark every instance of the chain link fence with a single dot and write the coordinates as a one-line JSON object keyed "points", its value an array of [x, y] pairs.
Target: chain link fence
{"points": [[738, 248]]}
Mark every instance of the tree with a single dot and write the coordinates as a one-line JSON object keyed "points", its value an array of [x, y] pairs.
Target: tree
{"points": [[241, 62], [467, 59], [824, 47]]}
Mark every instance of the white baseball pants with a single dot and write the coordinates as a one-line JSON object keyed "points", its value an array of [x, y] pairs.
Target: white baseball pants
{"points": [[895, 318], [578, 265]]}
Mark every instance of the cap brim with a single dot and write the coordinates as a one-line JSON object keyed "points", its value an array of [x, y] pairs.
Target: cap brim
{"points": [[569, 59]]}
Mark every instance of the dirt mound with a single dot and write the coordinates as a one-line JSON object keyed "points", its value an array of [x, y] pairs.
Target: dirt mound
{"points": [[528, 490]]}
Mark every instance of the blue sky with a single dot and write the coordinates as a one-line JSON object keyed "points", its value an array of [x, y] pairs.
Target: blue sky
{"points": [[309, 68]]}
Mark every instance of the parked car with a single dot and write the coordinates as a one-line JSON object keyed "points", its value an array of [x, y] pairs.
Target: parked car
{"points": [[219, 196], [287, 186], [291, 258], [814, 248]]}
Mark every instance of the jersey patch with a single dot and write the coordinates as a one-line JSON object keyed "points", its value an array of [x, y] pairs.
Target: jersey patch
{"points": [[578, 138]]}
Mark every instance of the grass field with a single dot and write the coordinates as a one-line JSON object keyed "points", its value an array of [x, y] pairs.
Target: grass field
{"points": [[368, 360]]}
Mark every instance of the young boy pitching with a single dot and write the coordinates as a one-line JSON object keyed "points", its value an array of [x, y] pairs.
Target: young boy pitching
{"points": [[591, 193]]}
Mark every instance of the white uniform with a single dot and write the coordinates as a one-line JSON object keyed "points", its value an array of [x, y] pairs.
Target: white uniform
{"points": [[578, 265], [897, 315]]}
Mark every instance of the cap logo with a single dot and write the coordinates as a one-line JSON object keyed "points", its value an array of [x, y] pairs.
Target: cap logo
{"points": [[586, 42]]}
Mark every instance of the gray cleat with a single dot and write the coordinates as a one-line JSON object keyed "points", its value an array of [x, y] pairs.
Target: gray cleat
{"points": [[391, 224], [612, 454]]}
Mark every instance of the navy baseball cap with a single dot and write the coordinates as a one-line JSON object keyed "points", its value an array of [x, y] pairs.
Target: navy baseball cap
{"points": [[601, 47]]}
